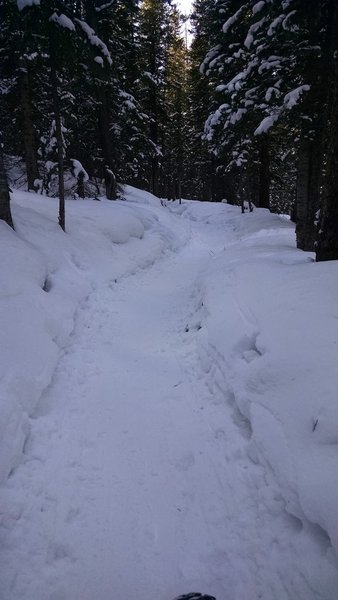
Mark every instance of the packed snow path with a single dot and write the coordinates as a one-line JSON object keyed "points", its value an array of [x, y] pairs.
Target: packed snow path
{"points": [[136, 478]]}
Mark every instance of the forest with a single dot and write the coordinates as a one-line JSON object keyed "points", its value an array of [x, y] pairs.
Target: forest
{"points": [[168, 300], [96, 93]]}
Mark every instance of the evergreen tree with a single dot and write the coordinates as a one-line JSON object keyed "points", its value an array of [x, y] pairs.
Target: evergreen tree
{"points": [[174, 127], [17, 60], [270, 70], [154, 41], [200, 163], [327, 242]]}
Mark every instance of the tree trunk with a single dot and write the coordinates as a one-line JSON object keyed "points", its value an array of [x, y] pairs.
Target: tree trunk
{"points": [[58, 131], [264, 172], [179, 186], [28, 133], [302, 187], [327, 244], [308, 193], [111, 187], [5, 208], [154, 131], [228, 190], [103, 123], [154, 182], [106, 145], [80, 190]]}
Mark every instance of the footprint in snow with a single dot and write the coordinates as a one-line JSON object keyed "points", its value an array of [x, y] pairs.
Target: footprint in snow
{"points": [[250, 355]]}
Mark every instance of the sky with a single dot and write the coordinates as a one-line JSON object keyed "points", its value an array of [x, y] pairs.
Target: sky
{"points": [[185, 5]]}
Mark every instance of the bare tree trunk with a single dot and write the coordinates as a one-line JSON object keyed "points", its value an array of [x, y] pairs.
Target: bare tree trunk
{"points": [[327, 244], [111, 187], [80, 190], [154, 134], [103, 123], [264, 172], [58, 129], [28, 132], [302, 194], [154, 182], [106, 144], [230, 195], [5, 208], [308, 193], [179, 186]]}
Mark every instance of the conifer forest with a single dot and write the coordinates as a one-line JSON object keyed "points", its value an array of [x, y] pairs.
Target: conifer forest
{"points": [[237, 103], [168, 299]]}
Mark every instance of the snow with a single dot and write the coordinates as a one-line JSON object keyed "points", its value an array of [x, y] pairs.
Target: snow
{"points": [[267, 123], [104, 6], [168, 404], [251, 33], [232, 20], [94, 40], [63, 21], [275, 23], [270, 91], [291, 99], [21, 4], [237, 115], [99, 60], [285, 23], [258, 7], [78, 168]]}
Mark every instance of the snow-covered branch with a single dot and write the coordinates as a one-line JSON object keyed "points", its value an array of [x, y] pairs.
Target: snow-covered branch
{"points": [[63, 21], [94, 40]]}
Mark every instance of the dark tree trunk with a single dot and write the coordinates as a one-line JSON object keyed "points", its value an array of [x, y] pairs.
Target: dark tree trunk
{"points": [[5, 208], [111, 187], [179, 186], [106, 145], [229, 193], [58, 131], [154, 182], [302, 192], [80, 190], [264, 172], [311, 150], [28, 132], [104, 129], [154, 129], [308, 193], [327, 244]]}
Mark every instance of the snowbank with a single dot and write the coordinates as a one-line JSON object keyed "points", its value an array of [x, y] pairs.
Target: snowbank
{"points": [[271, 331], [45, 275], [266, 327]]}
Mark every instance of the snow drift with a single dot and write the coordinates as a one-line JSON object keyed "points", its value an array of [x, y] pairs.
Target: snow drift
{"points": [[271, 324], [45, 275]]}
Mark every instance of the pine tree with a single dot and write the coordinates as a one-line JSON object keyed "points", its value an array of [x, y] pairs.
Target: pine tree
{"points": [[327, 242], [174, 130], [154, 41], [200, 168], [269, 67], [16, 67]]}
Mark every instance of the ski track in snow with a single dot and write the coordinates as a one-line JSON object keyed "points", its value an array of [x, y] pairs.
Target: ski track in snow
{"points": [[137, 477]]}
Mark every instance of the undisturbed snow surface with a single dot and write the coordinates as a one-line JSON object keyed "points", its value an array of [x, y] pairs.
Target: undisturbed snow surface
{"points": [[169, 417]]}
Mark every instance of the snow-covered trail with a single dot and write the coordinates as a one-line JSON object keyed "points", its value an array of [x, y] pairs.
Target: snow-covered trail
{"points": [[136, 478]]}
